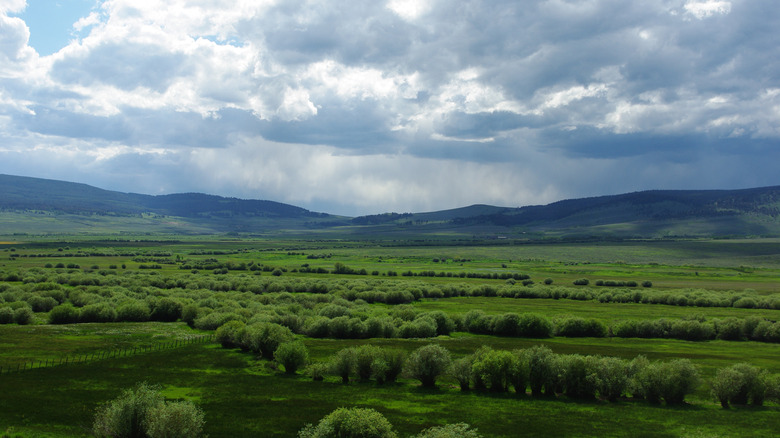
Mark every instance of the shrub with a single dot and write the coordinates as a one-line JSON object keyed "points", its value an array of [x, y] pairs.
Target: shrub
{"points": [[578, 376], [678, 379], [317, 371], [388, 365], [580, 327], [581, 282], [42, 304], [175, 419], [364, 359], [166, 310], [532, 325], [214, 320], [265, 337], [143, 412], [541, 370], [350, 422], [6, 315], [126, 415], [427, 363], [457, 430], [343, 364], [739, 384], [229, 334], [101, 312], [612, 376], [494, 367], [291, 355], [23, 316], [729, 329], [460, 370], [136, 311]]}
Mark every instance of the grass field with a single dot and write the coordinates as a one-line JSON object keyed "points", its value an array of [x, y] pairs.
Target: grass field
{"points": [[243, 396]]}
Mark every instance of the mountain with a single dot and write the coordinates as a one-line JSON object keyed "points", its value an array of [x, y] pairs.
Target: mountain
{"points": [[647, 214], [34, 205], [72, 203]]}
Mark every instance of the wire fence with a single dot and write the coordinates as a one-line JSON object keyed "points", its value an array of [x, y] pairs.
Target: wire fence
{"points": [[104, 354]]}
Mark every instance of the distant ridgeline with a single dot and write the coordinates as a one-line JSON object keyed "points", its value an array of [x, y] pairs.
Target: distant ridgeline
{"points": [[23, 193], [648, 214]]}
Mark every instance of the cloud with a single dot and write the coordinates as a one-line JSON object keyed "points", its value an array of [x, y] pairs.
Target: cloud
{"points": [[418, 104]]}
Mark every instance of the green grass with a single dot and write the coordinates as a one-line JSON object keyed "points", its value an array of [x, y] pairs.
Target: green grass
{"points": [[245, 397], [240, 401]]}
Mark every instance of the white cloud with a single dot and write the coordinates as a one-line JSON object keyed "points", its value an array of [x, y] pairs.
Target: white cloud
{"points": [[374, 102], [708, 8]]}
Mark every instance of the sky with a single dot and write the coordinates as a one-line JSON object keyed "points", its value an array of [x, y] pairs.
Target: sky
{"points": [[363, 107]]}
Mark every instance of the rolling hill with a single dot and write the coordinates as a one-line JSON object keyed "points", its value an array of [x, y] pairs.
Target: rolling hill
{"points": [[41, 206]]}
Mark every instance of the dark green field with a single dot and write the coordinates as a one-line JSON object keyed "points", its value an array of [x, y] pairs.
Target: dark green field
{"points": [[253, 278]]}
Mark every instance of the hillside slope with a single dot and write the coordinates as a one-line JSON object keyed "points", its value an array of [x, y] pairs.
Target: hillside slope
{"points": [[34, 205]]}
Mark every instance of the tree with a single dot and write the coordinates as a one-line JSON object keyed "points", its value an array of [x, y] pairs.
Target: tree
{"points": [[291, 355], [350, 423], [427, 363]]}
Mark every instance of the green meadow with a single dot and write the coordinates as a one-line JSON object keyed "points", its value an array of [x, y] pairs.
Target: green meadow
{"points": [[55, 375]]}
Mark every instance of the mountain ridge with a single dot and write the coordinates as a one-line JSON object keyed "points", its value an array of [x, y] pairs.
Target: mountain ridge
{"points": [[641, 214]]}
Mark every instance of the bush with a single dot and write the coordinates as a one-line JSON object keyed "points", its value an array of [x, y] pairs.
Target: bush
{"points": [[678, 379], [291, 355], [229, 335], [180, 419], [143, 412], [6, 315], [64, 314], [541, 370], [166, 310], [460, 370], [343, 364], [214, 320], [102, 312], [265, 337], [23, 316], [42, 304], [494, 368], [580, 327], [427, 363], [350, 422], [317, 371], [136, 311], [364, 360], [457, 430], [532, 325], [739, 384], [388, 365]]}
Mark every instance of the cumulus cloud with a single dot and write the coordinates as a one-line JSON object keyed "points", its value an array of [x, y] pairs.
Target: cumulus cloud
{"points": [[401, 105]]}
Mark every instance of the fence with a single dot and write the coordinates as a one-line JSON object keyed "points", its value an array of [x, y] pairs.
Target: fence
{"points": [[104, 354]]}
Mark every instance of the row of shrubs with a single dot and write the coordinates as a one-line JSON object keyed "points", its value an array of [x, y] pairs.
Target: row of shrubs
{"points": [[538, 370], [388, 291], [326, 316]]}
